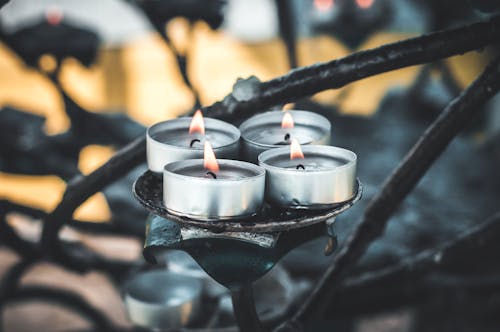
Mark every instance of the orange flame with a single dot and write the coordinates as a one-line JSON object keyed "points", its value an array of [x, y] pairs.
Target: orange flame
{"points": [[287, 121], [197, 124], [365, 4], [209, 160], [295, 150], [323, 5], [54, 15]]}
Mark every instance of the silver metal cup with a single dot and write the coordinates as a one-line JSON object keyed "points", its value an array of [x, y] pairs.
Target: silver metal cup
{"points": [[263, 132], [161, 299], [182, 263], [170, 141], [325, 177], [238, 190]]}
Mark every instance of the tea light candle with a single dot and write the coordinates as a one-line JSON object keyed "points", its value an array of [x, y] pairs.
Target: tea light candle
{"points": [[183, 138], [208, 189], [275, 129], [313, 177], [160, 300]]}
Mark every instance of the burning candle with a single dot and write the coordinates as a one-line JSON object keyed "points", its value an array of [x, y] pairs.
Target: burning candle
{"points": [[275, 129], [184, 138], [311, 177], [211, 189]]}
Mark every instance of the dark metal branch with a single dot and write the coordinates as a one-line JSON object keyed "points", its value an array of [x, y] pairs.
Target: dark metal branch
{"points": [[244, 310], [181, 60], [10, 282], [385, 295], [335, 74], [101, 228], [288, 29], [9, 237], [405, 177], [82, 187], [12, 277], [68, 300], [71, 255], [394, 279]]}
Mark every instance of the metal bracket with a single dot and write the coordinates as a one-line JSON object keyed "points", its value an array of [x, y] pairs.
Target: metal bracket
{"points": [[265, 240], [332, 243]]}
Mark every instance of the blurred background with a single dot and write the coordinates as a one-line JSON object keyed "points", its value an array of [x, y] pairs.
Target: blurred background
{"points": [[82, 78]]}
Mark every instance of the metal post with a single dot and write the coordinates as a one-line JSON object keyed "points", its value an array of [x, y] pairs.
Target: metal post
{"points": [[244, 310]]}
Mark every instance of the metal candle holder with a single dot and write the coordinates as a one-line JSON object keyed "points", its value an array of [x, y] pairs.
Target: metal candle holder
{"points": [[234, 252]]}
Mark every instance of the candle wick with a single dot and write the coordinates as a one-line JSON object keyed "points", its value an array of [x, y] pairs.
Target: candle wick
{"points": [[287, 137], [299, 166], [194, 141], [212, 174]]}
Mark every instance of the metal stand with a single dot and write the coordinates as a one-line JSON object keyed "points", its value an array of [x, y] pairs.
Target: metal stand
{"points": [[224, 249], [244, 310]]}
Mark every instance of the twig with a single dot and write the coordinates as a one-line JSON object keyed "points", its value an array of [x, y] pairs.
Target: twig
{"points": [[428, 148]]}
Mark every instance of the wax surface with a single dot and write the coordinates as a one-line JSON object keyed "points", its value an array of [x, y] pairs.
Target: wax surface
{"points": [[228, 172], [180, 137], [310, 162], [273, 134]]}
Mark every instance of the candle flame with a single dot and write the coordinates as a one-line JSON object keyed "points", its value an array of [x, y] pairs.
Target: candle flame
{"points": [[323, 5], [197, 124], [209, 160], [54, 15], [365, 4], [287, 121], [295, 150]]}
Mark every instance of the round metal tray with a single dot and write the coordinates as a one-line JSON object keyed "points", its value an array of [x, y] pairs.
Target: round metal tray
{"points": [[148, 189]]}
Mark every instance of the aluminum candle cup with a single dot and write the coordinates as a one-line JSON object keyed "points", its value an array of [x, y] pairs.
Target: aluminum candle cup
{"points": [[180, 262], [162, 300], [325, 177], [237, 191], [264, 131], [170, 141]]}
